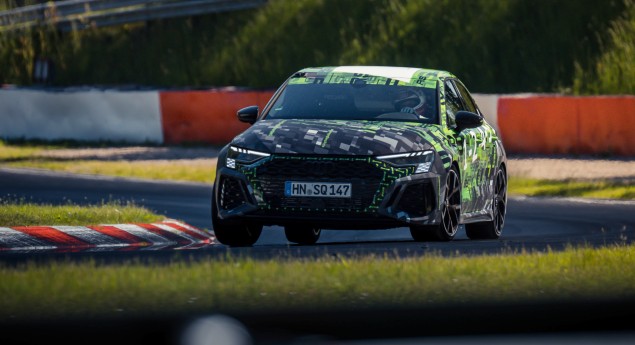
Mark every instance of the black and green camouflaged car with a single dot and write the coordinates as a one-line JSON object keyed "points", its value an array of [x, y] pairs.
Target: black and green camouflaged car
{"points": [[358, 147]]}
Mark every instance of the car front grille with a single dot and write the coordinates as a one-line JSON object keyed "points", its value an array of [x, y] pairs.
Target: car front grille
{"points": [[360, 173]]}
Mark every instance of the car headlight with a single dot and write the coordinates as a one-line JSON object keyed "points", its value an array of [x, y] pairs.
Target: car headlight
{"points": [[420, 159], [243, 156]]}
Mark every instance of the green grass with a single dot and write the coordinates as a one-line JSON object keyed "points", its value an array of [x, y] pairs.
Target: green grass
{"points": [[572, 188], [10, 152], [156, 170], [88, 289], [31, 155], [23, 214]]}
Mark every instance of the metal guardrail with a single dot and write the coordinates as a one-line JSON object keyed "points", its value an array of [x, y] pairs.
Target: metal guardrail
{"points": [[81, 14]]}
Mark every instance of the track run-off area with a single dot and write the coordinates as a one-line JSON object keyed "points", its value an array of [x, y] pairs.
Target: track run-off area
{"points": [[532, 223]]}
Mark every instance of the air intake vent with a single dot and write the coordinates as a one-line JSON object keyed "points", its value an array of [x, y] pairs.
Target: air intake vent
{"points": [[232, 193], [417, 200]]}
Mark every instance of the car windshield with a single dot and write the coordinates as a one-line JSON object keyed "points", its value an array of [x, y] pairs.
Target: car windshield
{"points": [[356, 101]]}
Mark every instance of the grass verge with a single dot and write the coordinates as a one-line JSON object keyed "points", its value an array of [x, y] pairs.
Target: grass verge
{"points": [[155, 170], [17, 152], [92, 290], [572, 188], [31, 154], [24, 214]]}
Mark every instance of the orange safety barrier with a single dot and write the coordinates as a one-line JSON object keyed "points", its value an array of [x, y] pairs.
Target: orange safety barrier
{"points": [[562, 125], [206, 116]]}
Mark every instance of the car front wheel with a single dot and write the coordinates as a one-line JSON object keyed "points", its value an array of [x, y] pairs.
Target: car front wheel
{"points": [[450, 213], [235, 234]]}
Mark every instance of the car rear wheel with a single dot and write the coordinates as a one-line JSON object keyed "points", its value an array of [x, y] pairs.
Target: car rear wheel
{"points": [[235, 234], [450, 213], [302, 234], [491, 230]]}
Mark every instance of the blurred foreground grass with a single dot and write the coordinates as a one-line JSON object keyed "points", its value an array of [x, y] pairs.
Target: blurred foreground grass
{"points": [[25, 214], [50, 290]]}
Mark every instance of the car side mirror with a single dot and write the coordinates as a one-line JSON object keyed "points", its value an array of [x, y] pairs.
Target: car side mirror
{"points": [[248, 114], [467, 119]]}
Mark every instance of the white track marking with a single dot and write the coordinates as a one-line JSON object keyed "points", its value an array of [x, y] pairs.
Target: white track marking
{"points": [[143, 234], [176, 232], [13, 239], [89, 235], [191, 228], [17, 240]]}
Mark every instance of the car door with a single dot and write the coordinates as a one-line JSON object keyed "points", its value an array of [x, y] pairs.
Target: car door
{"points": [[470, 145], [478, 158]]}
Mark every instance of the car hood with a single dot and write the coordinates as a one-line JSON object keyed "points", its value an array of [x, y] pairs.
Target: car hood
{"points": [[338, 137]]}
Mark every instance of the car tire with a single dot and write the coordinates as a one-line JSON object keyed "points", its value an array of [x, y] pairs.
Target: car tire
{"points": [[492, 230], [450, 213], [234, 234], [302, 234]]}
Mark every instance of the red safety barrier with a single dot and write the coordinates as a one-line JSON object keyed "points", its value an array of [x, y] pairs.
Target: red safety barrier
{"points": [[561, 125], [206, 116]]}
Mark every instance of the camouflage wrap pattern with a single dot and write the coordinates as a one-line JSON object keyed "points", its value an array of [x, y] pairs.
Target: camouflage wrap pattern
{"points": [[370, 75], [341, 137], [389, 175], [477, 153]]}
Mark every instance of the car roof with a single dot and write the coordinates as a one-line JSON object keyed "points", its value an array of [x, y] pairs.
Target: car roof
{"points": [[385, 75]]}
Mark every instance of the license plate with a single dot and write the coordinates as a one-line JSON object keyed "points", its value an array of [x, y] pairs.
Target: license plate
{"points": [[317, 189]]}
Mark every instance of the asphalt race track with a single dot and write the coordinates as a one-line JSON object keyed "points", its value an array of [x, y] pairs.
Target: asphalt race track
{"points": [[532, 223]]}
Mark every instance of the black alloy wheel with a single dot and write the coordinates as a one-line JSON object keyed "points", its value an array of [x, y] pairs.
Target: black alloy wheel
{"points": [[450, 213], [302, 234], [492, 230]]}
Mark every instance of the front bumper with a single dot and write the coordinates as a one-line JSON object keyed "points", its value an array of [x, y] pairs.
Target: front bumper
{"points": [[383, 196]]}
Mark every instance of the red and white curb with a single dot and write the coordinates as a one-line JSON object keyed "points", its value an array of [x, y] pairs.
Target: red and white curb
{"points": [[167, 234]]}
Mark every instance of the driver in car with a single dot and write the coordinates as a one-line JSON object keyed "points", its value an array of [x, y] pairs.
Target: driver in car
{"points": [[411, 101]]}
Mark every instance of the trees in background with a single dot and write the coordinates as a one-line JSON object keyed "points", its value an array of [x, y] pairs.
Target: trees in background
{"points": [[577, 46]]}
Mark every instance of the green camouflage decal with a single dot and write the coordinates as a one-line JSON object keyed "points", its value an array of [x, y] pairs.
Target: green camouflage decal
{"points": [[477, 154], [477, 158], [389, 175], [369, 75], [479, 162], [342, 137]]}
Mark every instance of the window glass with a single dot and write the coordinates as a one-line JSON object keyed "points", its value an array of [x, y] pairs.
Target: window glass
{"points": [[356, 102], [469, 103], [452, 103]]}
